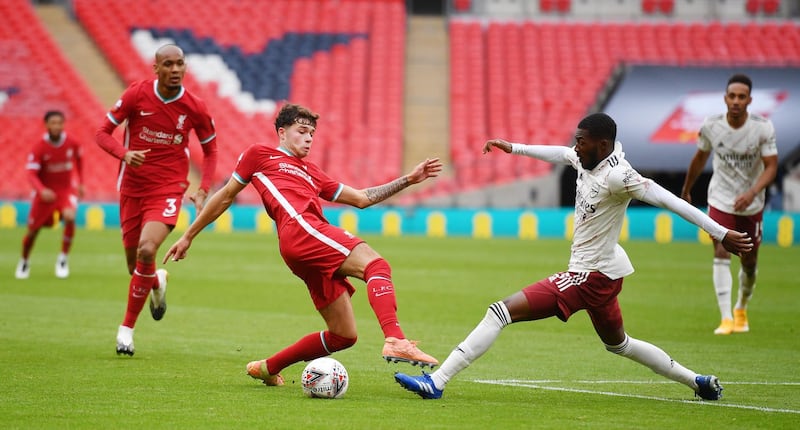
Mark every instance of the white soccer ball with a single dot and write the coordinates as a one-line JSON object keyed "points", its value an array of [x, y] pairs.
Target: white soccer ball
{"points": [[325, 378]]}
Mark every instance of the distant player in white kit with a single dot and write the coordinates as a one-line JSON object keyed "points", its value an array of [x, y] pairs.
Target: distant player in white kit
{"points": [[745, 164], [606, 183]]}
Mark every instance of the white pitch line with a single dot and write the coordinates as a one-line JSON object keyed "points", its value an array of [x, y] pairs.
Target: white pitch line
{"points": [[535, 384]]}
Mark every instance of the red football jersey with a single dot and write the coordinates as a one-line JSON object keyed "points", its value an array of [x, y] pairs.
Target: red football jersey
{"points": [[54, 163], [288, 186], [162, 126]]}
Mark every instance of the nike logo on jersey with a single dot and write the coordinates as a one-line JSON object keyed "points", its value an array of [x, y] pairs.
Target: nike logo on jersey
{"points": [[143, 113], [273, 157]]}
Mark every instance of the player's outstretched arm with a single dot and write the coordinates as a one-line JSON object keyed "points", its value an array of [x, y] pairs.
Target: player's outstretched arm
{"points": [[556, 154], [216, 205], [497, 143], [430, 168]]}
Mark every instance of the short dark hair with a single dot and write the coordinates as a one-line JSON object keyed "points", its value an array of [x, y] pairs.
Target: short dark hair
{"points": [[740, 78], [52, 113], [291, 113], [600, 126]]}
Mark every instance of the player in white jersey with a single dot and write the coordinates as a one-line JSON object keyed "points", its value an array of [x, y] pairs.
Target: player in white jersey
{"points": [[745, 164], [606, 184]]}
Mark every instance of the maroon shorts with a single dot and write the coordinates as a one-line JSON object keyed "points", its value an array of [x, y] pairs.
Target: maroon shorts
{"points": [[750, 224], [135, 212], [41, 213], [565, 293], [314, 250]]}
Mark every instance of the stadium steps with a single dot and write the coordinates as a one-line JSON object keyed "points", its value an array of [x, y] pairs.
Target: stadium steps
{"points": [[426, 92], [81, 52]]}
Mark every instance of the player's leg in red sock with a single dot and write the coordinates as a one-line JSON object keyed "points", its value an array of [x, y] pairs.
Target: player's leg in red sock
{"points": [[142, 280], [381, 296], [309, 347]]}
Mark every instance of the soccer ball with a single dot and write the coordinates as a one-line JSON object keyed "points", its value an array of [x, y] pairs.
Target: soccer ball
{"points": [[325, 378]]}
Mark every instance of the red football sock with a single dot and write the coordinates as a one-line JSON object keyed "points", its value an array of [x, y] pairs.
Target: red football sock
{"points": [[27, 244], [380, 292], [309, 347], [141, 283], [66, 240]]}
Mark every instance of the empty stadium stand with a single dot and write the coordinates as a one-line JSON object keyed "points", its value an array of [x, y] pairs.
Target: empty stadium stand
{"points": [[343, 59], [532, 81], [36, 77]]}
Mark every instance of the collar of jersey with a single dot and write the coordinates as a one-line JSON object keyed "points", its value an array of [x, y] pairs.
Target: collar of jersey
{"points": [[155, 90], [285, 151]]}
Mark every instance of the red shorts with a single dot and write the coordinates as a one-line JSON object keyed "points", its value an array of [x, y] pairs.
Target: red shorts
{"points": [[565, 293], [750, 224], [314, 249], [135, 212], [41, 213]]}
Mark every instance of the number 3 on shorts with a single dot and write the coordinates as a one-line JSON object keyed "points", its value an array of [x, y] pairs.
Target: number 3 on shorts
{"points": [[171, 209]]}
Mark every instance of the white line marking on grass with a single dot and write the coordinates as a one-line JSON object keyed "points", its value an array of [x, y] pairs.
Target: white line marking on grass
{"points": [[538, 385]]}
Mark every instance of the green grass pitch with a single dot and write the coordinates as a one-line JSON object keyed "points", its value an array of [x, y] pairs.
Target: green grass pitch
{"points": [[233, 301]]}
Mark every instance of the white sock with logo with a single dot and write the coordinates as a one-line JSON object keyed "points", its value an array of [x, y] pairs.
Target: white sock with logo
{"points": [[656, 359], [723, 283], [475, 344]]}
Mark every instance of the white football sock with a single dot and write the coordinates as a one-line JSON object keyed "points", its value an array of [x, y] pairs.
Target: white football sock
{"points": [[475, 344], [656, 359], [723, 283], [746, 286]]}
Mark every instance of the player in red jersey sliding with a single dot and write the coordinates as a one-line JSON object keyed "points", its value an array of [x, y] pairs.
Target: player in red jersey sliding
{"points": [[52, 167], [320, 254], [154, 167]]}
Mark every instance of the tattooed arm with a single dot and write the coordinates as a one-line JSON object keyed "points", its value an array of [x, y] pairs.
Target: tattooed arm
{"points": [[429, 168]]}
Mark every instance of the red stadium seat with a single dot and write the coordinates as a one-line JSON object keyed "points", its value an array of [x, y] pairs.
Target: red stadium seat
{"points": [[362, 79]]}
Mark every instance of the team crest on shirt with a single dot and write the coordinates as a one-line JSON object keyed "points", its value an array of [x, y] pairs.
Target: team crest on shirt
{"points": [[181, 119]]}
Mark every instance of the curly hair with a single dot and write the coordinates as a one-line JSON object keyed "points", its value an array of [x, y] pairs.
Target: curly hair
{"points": [[294, 113], [599, 125]]}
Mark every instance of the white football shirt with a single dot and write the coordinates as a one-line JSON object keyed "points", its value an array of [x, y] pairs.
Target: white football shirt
{"points": [[601, 199], [736, 159]]}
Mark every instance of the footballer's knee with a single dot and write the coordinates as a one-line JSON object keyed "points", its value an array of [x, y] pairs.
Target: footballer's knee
{"points": [[334, 342]]}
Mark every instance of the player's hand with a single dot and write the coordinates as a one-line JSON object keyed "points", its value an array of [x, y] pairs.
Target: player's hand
{"points": [[737, 242], [135, 158], [47, 195], [743, 201], [497, 143], [178, 250], [199, 199], [430, 168]]}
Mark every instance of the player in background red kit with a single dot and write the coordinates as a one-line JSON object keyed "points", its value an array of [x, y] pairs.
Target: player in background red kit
{"points": [[52, 166], [154, 168], [320, 254]]}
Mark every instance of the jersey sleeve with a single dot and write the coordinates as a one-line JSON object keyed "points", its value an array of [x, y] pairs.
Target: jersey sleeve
{"points": [[703, 142], [125, 105], [624, 179], [245, 166], [205, 128], [768, 143], [33, 165], [329, 188]]}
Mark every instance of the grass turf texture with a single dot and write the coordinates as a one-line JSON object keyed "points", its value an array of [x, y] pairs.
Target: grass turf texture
{"points": [[234, 301]]}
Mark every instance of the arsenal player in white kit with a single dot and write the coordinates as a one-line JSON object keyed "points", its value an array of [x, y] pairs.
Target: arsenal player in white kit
{"points": [[321, 254], [745, 164], [605, 185], [53, 165], [154, 167]]}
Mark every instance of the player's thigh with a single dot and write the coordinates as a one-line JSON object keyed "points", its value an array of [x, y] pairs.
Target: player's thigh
{"points": [[607, 322], [40, 215], [536, 301], [67, 206]]}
